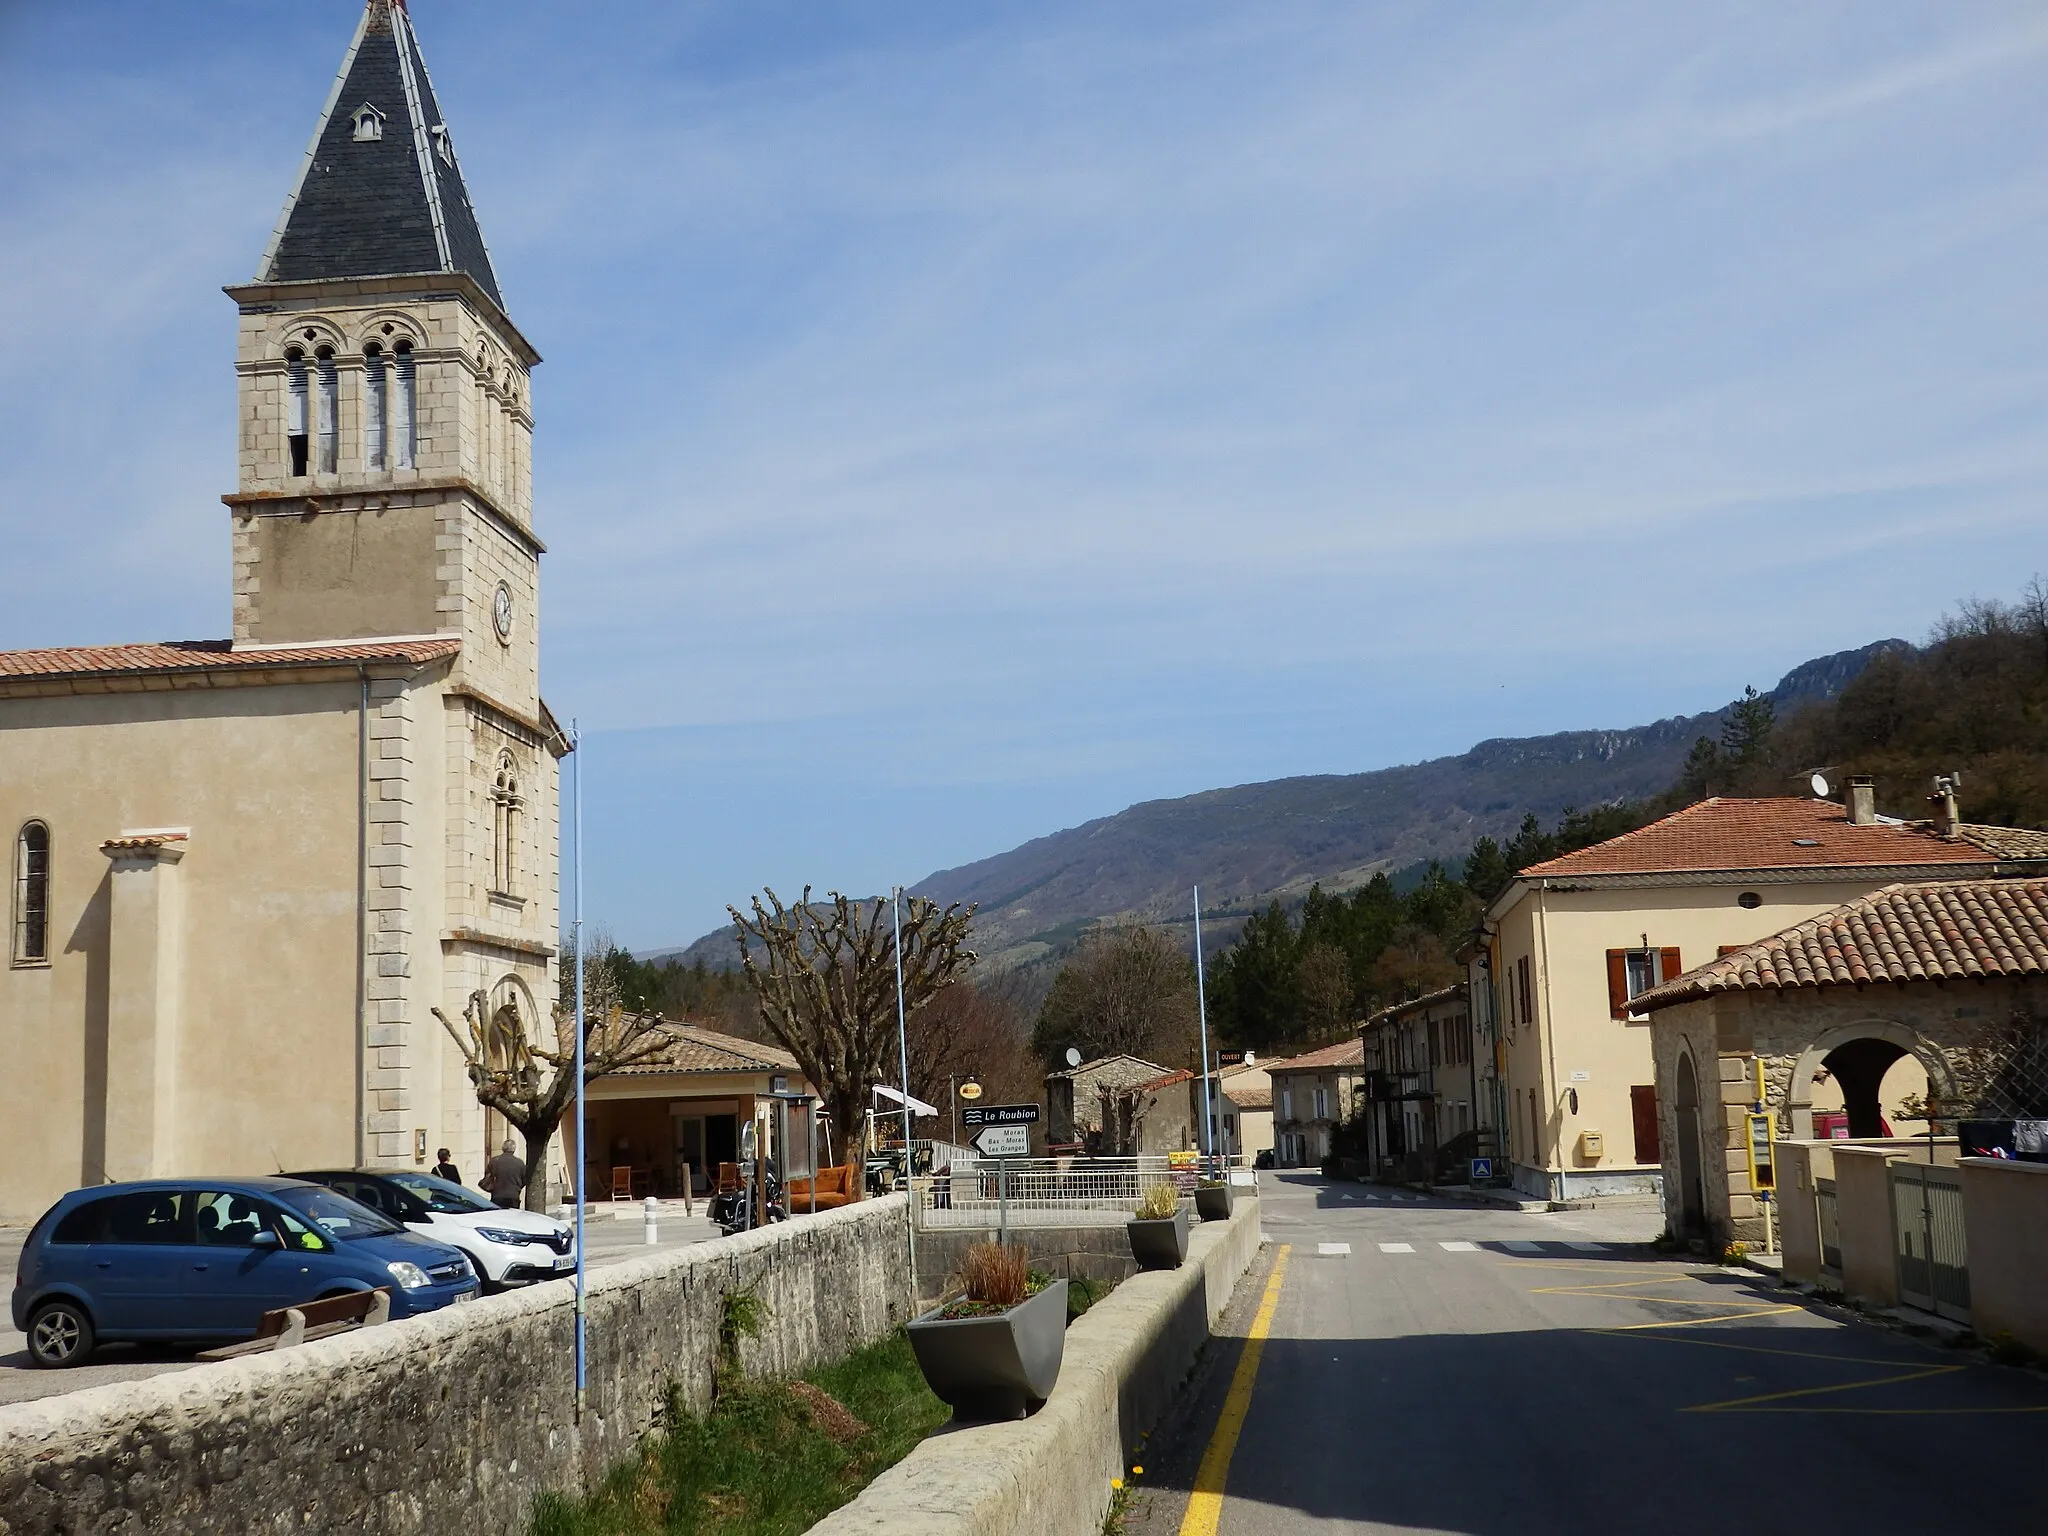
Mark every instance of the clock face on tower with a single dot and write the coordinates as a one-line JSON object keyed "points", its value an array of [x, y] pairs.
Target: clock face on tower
{"points": [[501, 613]]}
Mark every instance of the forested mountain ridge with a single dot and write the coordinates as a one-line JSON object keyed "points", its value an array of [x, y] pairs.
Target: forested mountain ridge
{"points": [[1252, 843]]}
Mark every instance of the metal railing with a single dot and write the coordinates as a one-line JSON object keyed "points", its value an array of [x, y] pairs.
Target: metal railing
{"points": [[1048, 1191]]}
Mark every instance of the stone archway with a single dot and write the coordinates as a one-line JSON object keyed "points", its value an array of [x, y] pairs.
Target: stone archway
{"points": [[1861, 1053], [1692, 1215]]}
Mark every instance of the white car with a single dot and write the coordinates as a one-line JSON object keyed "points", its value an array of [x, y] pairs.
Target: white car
{"points": [[506, 1246]]}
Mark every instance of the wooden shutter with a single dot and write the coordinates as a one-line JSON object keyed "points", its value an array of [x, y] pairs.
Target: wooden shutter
{"points": [[1729, 949], [1642, 1103], [1669, 966], [1617, 983]]}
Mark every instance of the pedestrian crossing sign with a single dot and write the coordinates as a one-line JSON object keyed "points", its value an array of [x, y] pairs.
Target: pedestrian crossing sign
{"points": [[1482, 1168]]}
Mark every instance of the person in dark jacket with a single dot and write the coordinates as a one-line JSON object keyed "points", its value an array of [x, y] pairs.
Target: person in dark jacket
{"points": [[505, 1177], [445, 1169]]}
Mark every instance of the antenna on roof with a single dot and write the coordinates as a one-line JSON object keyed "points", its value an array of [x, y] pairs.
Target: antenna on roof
{"points": [[1820, 786], [1073, 1057]]}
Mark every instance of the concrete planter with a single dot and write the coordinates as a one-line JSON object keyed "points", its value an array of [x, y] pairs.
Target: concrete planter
{"points": [[1212, 1202], [999, 1367], [1160, 1244]]}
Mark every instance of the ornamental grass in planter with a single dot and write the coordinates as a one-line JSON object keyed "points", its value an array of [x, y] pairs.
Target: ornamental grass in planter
{"points": [[1159, 1231], [1212, 1200], [992, 1350]]}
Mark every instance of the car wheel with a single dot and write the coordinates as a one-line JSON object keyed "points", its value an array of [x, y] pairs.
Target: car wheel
{"points": [[59, 1334]]}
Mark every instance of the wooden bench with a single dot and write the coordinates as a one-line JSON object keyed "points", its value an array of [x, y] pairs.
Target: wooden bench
{"points": [[315, 1320]]}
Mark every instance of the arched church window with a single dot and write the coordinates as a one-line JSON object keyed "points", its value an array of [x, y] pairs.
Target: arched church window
{"points": [[327, 418], [32, 894], [376, 406], [295, 408], [401, 433], [506, 807]]}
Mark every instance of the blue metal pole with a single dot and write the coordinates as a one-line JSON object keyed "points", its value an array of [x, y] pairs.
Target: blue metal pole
{"points": [[576, 1178], [1202, 1008]]}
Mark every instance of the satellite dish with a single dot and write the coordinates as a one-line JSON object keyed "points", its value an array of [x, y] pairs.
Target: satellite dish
{"points": [[1820, 785], [1073, 1057], [970, 1090]]}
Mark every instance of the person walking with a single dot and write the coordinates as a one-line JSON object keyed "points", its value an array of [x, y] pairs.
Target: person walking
{"points": [[505, 1176], [444, 1168]]}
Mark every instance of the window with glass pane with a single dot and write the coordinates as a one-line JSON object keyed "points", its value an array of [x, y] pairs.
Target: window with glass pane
{"points": [[32, 894]]}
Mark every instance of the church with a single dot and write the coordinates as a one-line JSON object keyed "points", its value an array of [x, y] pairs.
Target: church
{"points": [[246, 870]]}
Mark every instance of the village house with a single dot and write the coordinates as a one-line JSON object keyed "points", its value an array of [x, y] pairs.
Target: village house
{"points": [[1430, 1092], [1312, 1095], [1247, 1120], [1948, 981], [1571, 944], [246, 870]]}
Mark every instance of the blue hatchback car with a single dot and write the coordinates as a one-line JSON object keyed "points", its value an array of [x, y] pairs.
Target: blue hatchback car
{"points": [[202, 1260]]}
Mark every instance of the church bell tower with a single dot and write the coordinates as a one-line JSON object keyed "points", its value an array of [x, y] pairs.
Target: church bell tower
{"points": [[385, 474]]}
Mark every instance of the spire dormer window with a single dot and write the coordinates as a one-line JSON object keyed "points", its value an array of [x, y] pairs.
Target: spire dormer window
{"points": [[442, 146], [295, 409], [368, 123], [327, 417]]}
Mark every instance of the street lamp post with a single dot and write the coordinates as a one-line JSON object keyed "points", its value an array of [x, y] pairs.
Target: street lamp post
{"points": [[1202, 1008], [576, 1173], [903, 1062]]}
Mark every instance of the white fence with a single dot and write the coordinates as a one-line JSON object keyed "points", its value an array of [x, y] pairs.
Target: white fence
{"points": [[1045, 1191]]}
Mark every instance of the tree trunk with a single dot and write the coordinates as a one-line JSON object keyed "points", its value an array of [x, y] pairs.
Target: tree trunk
{"points": [[849, 1126], [537, 1139]]}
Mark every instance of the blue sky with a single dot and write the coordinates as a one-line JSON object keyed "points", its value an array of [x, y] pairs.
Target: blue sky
{"points": [[962, 421]]}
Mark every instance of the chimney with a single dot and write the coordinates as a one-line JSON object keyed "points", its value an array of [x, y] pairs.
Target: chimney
{"points": [[1948, 816], [1862, 800]]}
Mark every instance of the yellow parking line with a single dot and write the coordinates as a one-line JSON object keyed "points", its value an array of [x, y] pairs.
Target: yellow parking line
{"points": [[1205, 1505], [1694, 1322], [1734, 1403]]}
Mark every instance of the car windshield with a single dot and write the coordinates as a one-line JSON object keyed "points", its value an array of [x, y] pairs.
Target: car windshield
{"points": [[441, 1196], [337, 1215]]}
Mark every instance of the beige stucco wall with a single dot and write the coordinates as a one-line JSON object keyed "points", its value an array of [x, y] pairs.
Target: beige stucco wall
{"points": [[2005, 1209], [265, 779], [1566, 935]]}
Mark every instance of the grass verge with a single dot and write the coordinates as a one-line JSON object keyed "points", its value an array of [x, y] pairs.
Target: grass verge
{"points": [[771, 1458]]}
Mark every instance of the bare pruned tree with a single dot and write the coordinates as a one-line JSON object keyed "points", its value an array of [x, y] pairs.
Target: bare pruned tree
{"points": [[824, 974], [533, 1084]]}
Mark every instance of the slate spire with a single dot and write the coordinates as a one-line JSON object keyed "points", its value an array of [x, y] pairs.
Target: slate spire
{"points": [[380, 192]]}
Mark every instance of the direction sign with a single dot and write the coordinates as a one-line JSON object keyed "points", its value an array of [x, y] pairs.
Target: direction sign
{"points": [[999, 1114], [1003, 1141]]}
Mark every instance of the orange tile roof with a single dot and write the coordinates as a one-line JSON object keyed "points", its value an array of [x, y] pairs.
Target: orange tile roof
{"points": [[1166, 1080], [1950, 930], [692, 1048], [1345, 1053], [209, 655], [1725, 834]]}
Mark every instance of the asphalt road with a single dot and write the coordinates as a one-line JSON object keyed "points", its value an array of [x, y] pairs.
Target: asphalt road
{"points": [[609, 1240], [1439, 1367]]}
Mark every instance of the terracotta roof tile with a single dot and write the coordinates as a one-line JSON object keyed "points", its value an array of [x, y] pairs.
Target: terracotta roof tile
{"points": [[1167, 1080], [2006, 842], [211, 655], [1345, 1053], [1726, 834], [1249, 1097], [693, 1048], [1949, 930]]}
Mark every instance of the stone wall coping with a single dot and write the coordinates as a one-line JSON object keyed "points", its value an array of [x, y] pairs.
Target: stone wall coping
{"points": [[216, 1385], [2003, 1165]]}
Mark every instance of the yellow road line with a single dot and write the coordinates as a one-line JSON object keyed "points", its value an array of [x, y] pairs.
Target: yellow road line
{"points": [[1738, 1403], [1694, 1322], [1205, 1504]]}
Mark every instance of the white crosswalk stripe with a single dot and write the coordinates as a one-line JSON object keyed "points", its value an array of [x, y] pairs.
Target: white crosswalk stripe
{"points": [[1333, 1250], [1397, 1247], [1459, 1247]]}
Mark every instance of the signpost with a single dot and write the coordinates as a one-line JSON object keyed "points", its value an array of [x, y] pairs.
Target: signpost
{"points": [[1001, 1132]]}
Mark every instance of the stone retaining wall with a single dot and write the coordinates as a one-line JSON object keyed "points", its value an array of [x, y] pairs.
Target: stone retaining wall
{"points": [[453, 1422], [1049, 1475]]}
